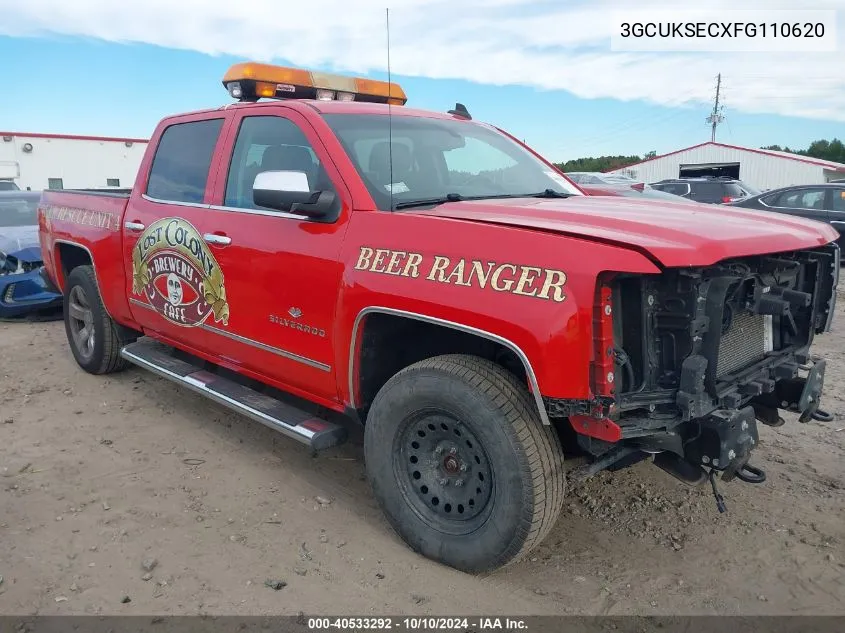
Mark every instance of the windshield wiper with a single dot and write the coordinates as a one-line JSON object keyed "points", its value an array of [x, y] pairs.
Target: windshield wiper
{"points": [[456, 197], [449, 197]]}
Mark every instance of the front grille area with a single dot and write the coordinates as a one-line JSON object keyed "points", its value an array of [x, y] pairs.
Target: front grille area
{"points": [[693, 340], [747, 339]]}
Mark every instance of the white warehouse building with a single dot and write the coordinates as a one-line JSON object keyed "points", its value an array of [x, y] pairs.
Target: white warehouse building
{"points": [[61, 161], [760, 168]]}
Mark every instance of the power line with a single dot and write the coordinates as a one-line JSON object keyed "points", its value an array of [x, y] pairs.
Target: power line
{"points": [[614, 132]]}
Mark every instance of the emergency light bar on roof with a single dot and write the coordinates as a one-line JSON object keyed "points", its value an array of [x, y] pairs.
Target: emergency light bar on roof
{"points": [[250, 81]]}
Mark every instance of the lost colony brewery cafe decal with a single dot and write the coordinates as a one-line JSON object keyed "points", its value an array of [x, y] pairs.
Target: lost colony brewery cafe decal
{"points": [[177, 273], [528, 281]]}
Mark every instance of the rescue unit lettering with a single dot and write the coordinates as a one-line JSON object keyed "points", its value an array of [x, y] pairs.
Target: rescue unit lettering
{"points": [[81, 217], [528, 281]]}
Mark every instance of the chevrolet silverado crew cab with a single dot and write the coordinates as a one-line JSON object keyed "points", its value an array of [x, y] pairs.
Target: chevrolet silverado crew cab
{"points": [[328, 255]]}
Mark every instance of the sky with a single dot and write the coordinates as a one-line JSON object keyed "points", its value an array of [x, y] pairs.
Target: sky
{"points": [[541, 69]]}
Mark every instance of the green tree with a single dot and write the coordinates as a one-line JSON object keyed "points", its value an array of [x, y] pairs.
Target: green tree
{"points": [[600, 163], [825, 150]]}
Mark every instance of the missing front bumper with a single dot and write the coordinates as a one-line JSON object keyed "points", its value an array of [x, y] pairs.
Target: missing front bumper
{"points": [[723, 440]]}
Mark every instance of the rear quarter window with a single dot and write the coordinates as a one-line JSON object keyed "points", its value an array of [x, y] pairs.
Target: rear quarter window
{"points": [[771, 199]]}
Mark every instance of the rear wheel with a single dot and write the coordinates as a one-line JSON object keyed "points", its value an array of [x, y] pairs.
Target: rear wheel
{"points": [[95, 339], [461, 464]]}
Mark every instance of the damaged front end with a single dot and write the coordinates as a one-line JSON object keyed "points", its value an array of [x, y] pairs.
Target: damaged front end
{"points": [[25, 289], [18, 263], [689, 361]]}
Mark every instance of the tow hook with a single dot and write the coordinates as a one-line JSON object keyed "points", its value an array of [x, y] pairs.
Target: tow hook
{"points": [[742, 470], [751, 474], [739, 470]]}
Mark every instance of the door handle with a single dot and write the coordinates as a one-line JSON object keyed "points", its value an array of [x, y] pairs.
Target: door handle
{"points": [[220, 240], [133, 226]]}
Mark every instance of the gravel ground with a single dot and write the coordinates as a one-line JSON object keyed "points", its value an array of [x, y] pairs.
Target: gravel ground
{"points": [[127, 495]]}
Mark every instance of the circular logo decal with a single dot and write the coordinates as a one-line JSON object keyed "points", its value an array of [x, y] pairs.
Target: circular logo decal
{"points": [[173, 268]]}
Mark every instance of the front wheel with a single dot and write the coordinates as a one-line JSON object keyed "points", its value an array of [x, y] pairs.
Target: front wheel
{"points": [[461, 464], [95, 339]]}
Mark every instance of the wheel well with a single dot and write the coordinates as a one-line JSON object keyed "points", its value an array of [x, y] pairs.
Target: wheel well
{"points": [[389, 343], [72, 256]]}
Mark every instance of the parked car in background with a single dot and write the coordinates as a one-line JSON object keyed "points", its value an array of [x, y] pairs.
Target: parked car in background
{"points": [[823, 202], [708, 190], [24, 291], [9, 185], [639, 190], [598, 178]]}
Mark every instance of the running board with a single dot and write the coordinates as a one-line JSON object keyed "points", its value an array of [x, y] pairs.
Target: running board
{"points": [[290, 420]]}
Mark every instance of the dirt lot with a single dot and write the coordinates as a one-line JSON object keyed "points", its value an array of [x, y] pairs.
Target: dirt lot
{"points": [[100, 475]]}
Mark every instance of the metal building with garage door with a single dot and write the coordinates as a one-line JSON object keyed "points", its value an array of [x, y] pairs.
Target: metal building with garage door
{"points": [[760, 168]]}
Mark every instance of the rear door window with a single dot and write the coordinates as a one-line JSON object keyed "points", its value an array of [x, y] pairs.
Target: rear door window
{"points": [[803, 199], [179, 172]]}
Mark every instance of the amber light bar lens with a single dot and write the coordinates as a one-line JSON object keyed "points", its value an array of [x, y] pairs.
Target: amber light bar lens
{"points": [[250, 81]]}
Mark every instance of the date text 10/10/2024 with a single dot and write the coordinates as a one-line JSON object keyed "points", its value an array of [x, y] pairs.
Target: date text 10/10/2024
{"points": [[417, 624]]}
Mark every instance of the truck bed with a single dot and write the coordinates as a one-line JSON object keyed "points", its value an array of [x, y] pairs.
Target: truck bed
{"points": [[80, 225]]}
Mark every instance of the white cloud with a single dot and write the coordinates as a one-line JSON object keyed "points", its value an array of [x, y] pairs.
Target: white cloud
{"points": [[547, 44]]}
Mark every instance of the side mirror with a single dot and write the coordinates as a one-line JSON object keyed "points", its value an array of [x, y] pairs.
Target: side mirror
{"points": [[289, 191]]}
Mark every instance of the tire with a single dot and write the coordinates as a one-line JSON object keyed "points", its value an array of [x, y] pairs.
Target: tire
{"points": [[510, 464], [98, 353]]}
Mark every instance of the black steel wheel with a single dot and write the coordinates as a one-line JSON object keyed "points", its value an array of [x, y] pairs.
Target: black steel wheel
{"points": [[443, 472], [461, 464]]}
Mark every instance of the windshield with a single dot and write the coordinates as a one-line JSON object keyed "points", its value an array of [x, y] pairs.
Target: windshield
{"points": [[433, 159], [18, 210]]}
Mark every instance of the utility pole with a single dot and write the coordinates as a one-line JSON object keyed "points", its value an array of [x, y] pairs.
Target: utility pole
{"points": [[716, 117]]}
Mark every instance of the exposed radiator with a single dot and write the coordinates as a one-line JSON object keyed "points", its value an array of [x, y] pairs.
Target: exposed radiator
{"points": [[748, 339]]}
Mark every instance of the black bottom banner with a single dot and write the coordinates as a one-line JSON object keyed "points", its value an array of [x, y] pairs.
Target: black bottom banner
{"points": [[406, 624]]}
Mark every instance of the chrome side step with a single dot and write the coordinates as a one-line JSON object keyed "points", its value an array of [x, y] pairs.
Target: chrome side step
{"points": [[294, 422]]}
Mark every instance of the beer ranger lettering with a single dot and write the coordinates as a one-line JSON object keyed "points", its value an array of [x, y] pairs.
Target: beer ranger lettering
{"points": [[518, 279]]}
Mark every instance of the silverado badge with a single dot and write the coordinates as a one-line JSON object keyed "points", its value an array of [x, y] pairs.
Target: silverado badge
{"points": [[173, 268]]}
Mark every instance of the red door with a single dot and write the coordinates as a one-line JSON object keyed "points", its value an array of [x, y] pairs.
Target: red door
{"points": [[174, 283], [282, 272]]}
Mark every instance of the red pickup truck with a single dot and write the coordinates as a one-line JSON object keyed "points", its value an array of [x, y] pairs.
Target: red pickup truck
{"points": [[330, 255]]}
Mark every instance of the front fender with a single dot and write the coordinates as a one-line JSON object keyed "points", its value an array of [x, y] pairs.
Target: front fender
{"points": [[433, 269]]}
